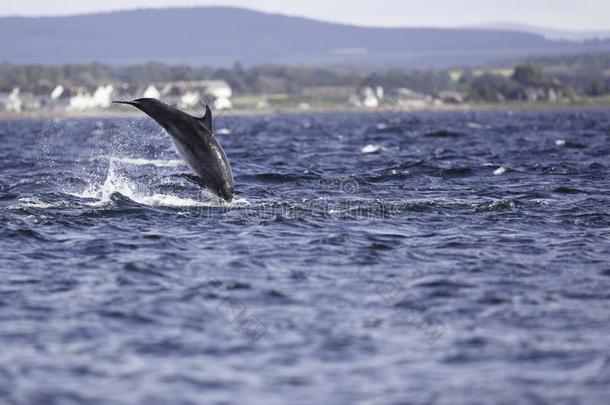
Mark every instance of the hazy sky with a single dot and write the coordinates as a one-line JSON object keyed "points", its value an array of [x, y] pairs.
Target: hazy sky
{"points": [[562, 14]]}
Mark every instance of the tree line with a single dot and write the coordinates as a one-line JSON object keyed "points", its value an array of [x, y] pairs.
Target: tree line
{"points": [[293, 80]]}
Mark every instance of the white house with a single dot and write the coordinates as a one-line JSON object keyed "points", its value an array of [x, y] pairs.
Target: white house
{"points": [[189, 99], [101, 98], [379, 92], [151, 92], [451, 97], [57, 92], [12, 101], [410, 99], [217, 88], [190, 94], [370, 99], [367, 97], [223, 103], [81, 101]]}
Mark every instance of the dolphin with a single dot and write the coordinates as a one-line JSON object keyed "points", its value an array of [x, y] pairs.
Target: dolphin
{"points": [[194, 139]]}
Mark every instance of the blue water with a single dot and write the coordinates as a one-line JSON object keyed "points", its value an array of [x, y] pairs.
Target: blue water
{"points": [[464, 259]]}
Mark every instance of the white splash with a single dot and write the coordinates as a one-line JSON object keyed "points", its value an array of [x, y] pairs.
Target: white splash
{"points": [[560, 142], [224, 131], [144, 162], [115, 182], [499, 171], [33, 203], [372, 149]]}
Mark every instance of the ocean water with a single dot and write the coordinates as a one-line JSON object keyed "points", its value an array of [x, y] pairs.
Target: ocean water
{"points": [[447, 258]]}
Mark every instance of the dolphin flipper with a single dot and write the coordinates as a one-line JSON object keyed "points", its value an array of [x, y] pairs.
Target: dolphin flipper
{"points": [[196, 180]]}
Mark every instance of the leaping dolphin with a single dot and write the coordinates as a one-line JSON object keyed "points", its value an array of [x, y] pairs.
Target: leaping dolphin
{"points": [[195, 142]]}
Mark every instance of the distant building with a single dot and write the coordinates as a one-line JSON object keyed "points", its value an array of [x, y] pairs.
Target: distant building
{"points": [[217, 88], [370, 100], [189, 94], [535, 94], [220, 91], [11, 101], [125, 91], [410, 99], [151, 92], [59, 97], [83, 100], [189, 100], [57, 92], [451, 97], [223, 103], [367, 97]]}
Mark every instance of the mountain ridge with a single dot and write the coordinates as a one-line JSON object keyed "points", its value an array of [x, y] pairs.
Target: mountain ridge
{"points": [[550, 33], [220, 36]]}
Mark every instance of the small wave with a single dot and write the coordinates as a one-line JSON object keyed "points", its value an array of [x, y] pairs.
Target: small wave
{"points": [[369, 149], [144, 162], [444, 133], [562, 143], [35, 203], [458, 171], [566, 190], [497, 205], [168, 200], [387, 128], [224, 131], [165, 200], [271, 177], [500, 171]]}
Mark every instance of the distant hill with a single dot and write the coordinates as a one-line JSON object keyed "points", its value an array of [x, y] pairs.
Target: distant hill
{"points": [[549, 32], [219, 36]]}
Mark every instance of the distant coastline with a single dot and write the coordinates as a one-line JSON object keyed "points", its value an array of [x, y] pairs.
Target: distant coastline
{"points": [[122, 113]]}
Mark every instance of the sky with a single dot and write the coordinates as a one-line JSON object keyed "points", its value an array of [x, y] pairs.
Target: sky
{"points": [[589, 15]]}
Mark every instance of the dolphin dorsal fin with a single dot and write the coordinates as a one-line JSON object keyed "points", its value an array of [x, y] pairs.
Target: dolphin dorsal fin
{"points": [[206, 120]]}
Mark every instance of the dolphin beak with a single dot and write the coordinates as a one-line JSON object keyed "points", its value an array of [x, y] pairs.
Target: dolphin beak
{"points": [[133, 103]]}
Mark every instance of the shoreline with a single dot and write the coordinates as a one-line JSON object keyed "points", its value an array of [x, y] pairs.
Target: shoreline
{"points": [[118, 113]]}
